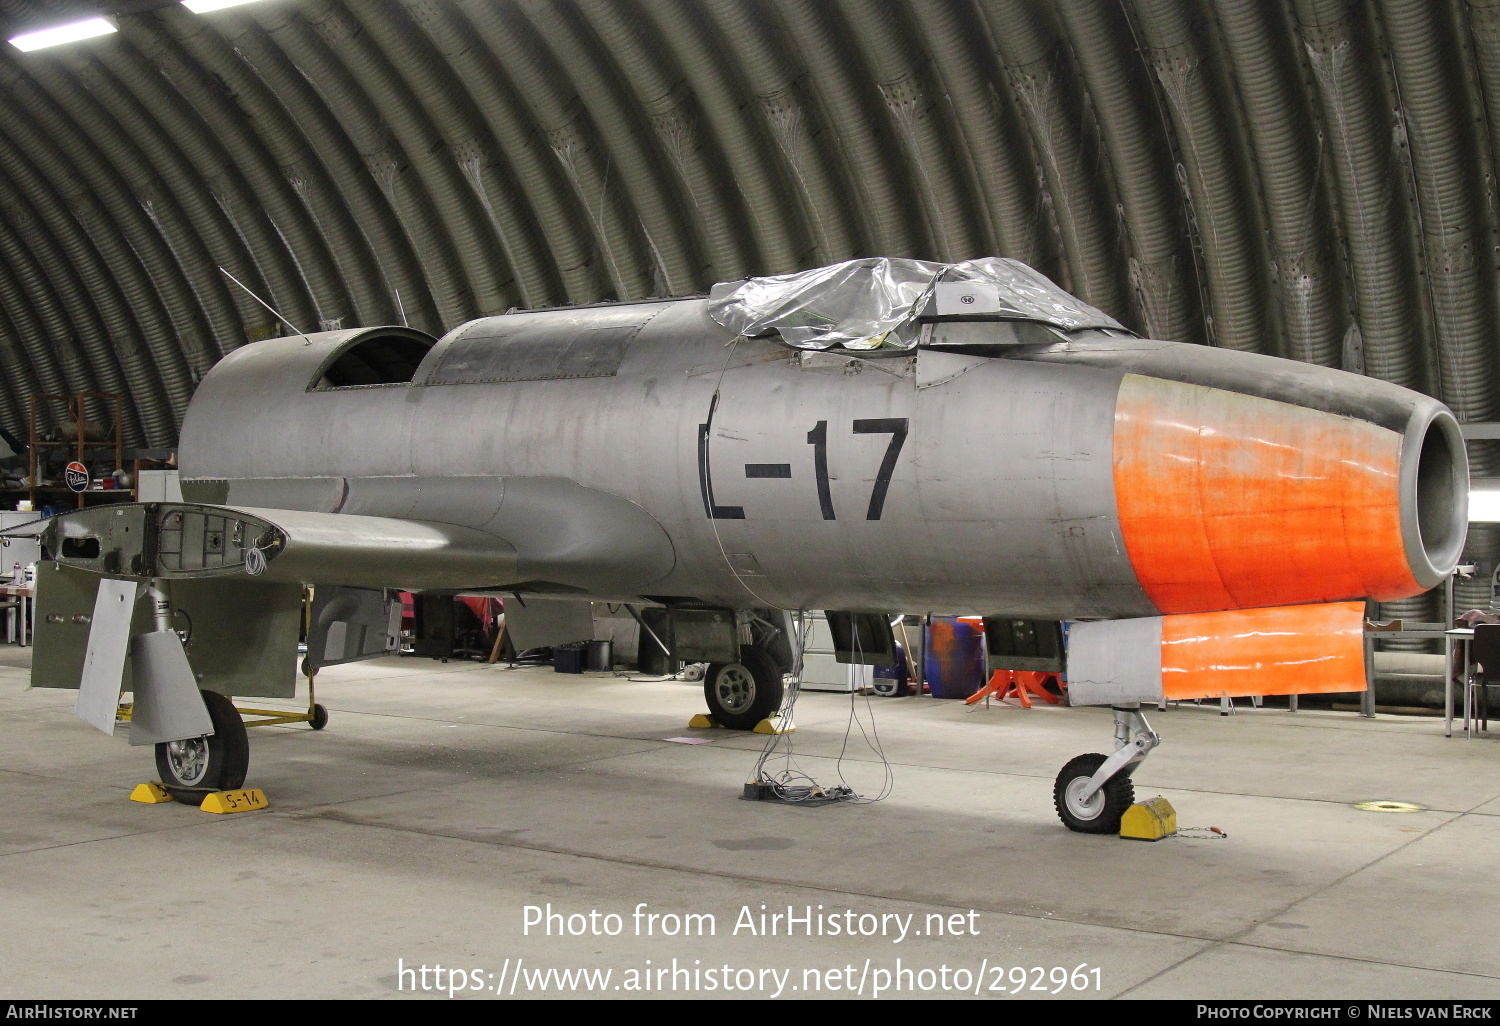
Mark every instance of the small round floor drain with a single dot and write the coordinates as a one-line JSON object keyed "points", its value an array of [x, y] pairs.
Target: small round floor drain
{"points": [[1388, 806]]}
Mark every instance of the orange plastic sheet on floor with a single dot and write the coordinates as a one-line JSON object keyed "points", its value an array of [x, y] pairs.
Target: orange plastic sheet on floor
{"points": [[1018, 684]]}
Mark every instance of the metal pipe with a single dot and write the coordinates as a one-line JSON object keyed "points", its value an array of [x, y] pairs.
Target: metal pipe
{"points": [[566, 232], [618, 124], [167, 187], [748, 153], [858, 122], [436, 294], [530, 276], [89, 181], [98, 277], [453, 208], [246, 214], [1161, 270], [716, 211], [571, 135], [1285, 154], [354, 270], [796, 121], [1213, 189], [180, 61], [923, 131], [161, 604], [42, 275], [1450, 204], [1036, 67], [992, 135], [384, 261], [1358, 151]]}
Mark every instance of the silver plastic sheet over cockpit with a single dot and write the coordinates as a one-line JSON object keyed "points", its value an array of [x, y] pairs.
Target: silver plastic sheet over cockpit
{"points": [[874, 303]]}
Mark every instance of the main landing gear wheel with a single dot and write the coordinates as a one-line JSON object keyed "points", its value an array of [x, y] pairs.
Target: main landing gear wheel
{"points": [[1101, 813], [741, 694], [214, 762]]}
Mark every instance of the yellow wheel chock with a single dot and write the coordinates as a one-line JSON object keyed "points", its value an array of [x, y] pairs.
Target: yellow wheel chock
{"points": [[1149, 820], [769, 725]]}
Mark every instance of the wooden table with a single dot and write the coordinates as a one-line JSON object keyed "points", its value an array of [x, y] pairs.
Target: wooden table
{"points": [[24, 593]]}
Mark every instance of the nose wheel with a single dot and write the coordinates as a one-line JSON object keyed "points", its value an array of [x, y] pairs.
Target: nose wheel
{"points": [[1096, 811], [214, 762], [1093, 791]]}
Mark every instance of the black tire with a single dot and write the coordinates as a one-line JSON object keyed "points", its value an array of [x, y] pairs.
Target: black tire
{"points": [[319, 718], [1102, 814], [214, 762], [740, 695]]}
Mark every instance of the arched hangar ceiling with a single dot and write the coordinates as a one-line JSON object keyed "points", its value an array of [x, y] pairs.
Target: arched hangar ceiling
{"points": [[1310, 178]]}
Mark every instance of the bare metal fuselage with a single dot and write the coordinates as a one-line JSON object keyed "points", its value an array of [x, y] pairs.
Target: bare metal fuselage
{"points": [[738, 473]]}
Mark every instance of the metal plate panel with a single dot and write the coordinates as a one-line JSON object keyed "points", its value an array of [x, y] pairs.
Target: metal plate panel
{"points": [[1288, 381], [65, 598], [1000, 494], [18, 550], [104, 539], [194, 530], [543, 622], [705, 635], [315, 494], [167, 705], [1014, 644], [862, 638], [1115, 661], [348, 624], [934, 368], [104, 658], [515, 348], [241, 634]]}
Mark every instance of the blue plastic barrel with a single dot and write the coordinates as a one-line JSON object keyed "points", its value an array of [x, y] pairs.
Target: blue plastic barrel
{"points": [[953, 657]]}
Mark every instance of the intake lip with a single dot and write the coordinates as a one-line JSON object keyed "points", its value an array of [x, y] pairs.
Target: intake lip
{"points": [[1434, 493]]}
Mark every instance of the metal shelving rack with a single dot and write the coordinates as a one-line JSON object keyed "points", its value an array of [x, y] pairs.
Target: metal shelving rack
{"points": [[81, 447]]}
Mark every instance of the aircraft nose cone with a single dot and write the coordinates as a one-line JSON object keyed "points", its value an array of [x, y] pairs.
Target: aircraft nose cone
{"points": [[1228, 500]]}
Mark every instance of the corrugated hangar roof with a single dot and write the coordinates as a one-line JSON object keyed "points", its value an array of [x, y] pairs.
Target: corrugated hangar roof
{"points": [[1310, 178]]}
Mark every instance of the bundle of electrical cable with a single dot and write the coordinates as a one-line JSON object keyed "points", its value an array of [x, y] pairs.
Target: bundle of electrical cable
{"points": [[790, 784]]}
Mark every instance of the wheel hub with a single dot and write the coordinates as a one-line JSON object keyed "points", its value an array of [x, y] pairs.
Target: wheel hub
{"points": [[735, 688], [1079, 808], [189, 760]]}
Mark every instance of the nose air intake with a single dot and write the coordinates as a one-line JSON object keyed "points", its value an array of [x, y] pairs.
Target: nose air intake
{"points": [[1434, 495], [1229, 500]]}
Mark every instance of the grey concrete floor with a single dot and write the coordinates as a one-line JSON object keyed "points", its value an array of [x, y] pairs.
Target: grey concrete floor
{"points": [[445, 798]]}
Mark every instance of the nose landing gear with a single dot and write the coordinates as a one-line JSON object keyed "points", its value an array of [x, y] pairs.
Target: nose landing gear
{"points": [[1093, 791]]}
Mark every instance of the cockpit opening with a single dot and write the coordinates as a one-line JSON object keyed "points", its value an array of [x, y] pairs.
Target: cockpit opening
{"points": [[377, 358]]}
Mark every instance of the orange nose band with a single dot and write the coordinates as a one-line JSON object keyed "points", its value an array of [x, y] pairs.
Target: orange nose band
{"points": [[1228, 500]]}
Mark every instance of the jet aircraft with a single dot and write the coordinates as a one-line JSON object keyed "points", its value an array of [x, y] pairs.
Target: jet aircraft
{"points": [[871, 438]]}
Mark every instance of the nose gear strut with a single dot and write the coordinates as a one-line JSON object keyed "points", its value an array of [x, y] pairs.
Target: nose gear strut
{"points": [[1093, 791]]}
